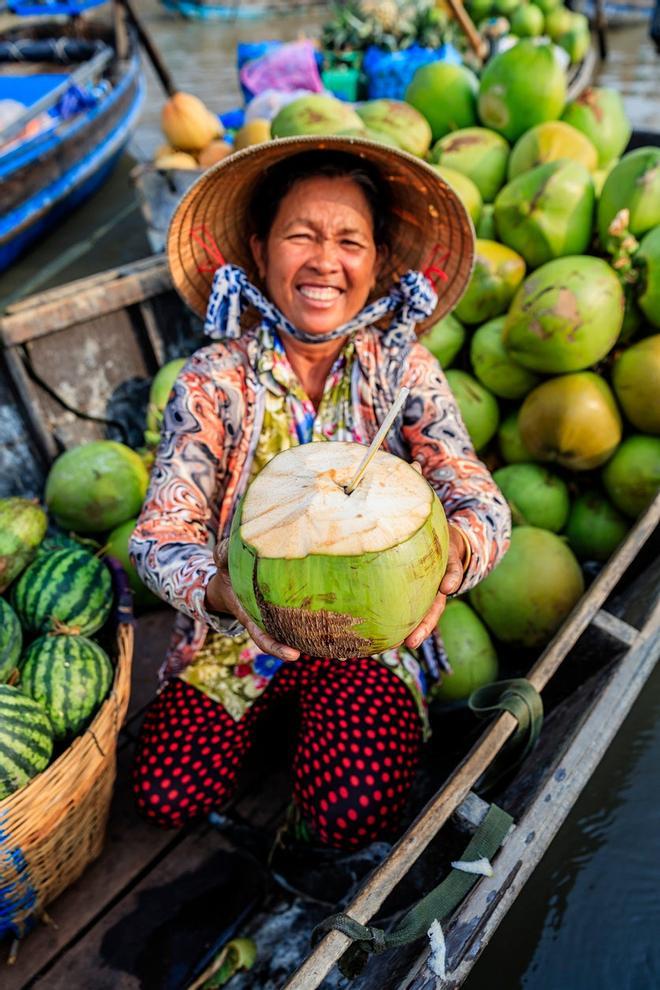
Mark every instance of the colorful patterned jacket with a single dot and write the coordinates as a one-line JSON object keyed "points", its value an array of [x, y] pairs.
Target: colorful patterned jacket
{"points": [[210, 432]]}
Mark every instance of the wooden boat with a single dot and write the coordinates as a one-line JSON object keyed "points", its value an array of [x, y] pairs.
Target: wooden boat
{"points": [[618, 13], [212, 10], [78, 359], [82, 87]]}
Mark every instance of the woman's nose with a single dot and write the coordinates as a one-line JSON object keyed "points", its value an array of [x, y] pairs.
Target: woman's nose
{"points": [[325, 255]]}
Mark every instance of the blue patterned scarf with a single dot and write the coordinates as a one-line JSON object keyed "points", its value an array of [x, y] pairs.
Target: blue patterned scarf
{"points": [[410, 301]]}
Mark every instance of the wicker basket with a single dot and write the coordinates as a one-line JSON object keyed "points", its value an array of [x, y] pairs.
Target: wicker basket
{"points": [[52, 828]]}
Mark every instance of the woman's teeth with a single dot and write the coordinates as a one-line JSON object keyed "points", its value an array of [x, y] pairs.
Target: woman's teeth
{"points": [[319, 293]]}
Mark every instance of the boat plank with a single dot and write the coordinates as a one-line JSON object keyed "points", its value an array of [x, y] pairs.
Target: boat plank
{"points": [[472, 927], [78, 399], [98, 300], [152, 637], [80, 286]]}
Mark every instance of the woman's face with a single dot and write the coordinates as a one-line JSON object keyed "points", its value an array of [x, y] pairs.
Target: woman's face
{"points": [[319, 261]]}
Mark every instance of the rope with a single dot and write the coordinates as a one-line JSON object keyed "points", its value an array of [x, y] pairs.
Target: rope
{"points": [[436, 905], [519, 697]]}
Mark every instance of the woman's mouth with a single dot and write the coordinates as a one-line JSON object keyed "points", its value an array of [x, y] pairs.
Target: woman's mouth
{"points": [[324, 295]]}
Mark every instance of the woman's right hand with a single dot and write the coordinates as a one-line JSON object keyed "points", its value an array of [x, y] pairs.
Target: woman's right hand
{"points": [[221, 597]]}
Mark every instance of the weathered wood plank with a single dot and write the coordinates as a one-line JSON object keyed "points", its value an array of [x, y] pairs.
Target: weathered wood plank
{"points": [[80, 382], [615, 627], [80, 286], [474, 924], [152, 636], [98, 300]]}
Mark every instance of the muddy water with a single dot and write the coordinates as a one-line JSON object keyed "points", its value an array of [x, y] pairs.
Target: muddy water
{"points": [[591, 917]]}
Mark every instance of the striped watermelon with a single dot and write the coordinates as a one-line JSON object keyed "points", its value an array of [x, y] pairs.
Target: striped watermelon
{"points": [[11, 640], [69, 676], [26, 739], [66, 591]]}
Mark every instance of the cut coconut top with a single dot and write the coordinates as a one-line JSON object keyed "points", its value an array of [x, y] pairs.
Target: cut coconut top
{"points": [[297, 505]]}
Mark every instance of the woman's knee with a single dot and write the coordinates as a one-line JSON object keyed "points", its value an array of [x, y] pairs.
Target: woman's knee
{"points": [[185, 766]]}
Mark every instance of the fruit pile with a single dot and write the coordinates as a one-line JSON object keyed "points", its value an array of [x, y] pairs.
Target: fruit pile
{"points": [[53, 675], [502, 21]]}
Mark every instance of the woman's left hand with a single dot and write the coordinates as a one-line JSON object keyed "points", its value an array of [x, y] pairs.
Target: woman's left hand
{"points": [[450, 583]]}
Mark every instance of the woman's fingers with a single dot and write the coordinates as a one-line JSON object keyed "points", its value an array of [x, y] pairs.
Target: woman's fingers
{"points": [[453, 577], [265, 642], [428, 623]]}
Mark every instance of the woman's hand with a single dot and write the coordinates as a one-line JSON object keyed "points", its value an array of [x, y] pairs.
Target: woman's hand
{"points": [[221, 597], [450, 583]]}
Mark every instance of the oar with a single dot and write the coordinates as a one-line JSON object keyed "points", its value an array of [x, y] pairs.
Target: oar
{"points": [[150, 48], [377, 440], [477, 43]]}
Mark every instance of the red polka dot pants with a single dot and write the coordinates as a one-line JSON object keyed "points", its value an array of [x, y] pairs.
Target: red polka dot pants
{"points": [[358, 744]]}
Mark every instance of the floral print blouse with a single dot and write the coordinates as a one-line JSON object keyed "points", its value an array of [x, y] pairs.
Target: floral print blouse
{"points": [[238, 403]]}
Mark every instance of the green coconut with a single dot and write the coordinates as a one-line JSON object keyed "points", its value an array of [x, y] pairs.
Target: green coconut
{"points": [[636, 381], [446, 95], [22, 528], [571, 419], [497, 273], [493, 365], [117, 546], [445, 339], [525, 599], [647, 262], [547, 212], [159, 393], [633, 184], [397, 120], [469, 650], [464, 188], [536, 497], [546, 6], [485, 228], [97, 486], [565, 316], [548, 142], [576, 40], [557, 22], [521, 87], [595, 528], [600, 115], [479, 9], [478, 407], [528, 21], [334, 574], [478, 153], [315, 114], [632, 477], [380, 137], [510, 441]]}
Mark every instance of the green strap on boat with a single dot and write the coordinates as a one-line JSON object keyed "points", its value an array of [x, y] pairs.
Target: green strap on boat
{"points": [[436, 905], [519, 697]]}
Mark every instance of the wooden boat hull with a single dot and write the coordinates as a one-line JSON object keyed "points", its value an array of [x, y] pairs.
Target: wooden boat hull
{"points": [[70, 355], [44, 179]]}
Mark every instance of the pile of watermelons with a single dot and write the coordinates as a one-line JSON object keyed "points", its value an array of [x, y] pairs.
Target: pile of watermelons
{"points": [[53, 675]]}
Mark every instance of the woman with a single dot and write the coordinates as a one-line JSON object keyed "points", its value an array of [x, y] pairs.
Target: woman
{"points": [[304, 256]]}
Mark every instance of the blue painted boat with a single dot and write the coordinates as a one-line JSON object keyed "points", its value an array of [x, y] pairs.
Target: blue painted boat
{"points": [[78, 90], [215, 10]]}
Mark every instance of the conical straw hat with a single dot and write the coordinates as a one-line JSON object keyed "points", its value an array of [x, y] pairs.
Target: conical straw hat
{"points": [[430, 229]]}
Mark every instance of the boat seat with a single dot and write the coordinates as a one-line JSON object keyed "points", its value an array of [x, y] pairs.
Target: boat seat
{"points": [[28, 89]]}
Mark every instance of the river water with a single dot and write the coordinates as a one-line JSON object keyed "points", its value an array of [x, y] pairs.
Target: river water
{"points": [[590, 917]]}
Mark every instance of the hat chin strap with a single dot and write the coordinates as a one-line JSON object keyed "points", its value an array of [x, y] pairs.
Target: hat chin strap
{"points": [[412, 300]]}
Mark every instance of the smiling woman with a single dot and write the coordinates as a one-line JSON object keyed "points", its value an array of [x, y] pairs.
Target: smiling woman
{"points": [[307, 260]]}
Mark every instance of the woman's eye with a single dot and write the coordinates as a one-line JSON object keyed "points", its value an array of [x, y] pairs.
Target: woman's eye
{"points": [[300, 236], [354, 245]]}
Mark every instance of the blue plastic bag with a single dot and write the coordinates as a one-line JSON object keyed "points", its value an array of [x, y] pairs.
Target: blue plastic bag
{"points": [[389, 73]]}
